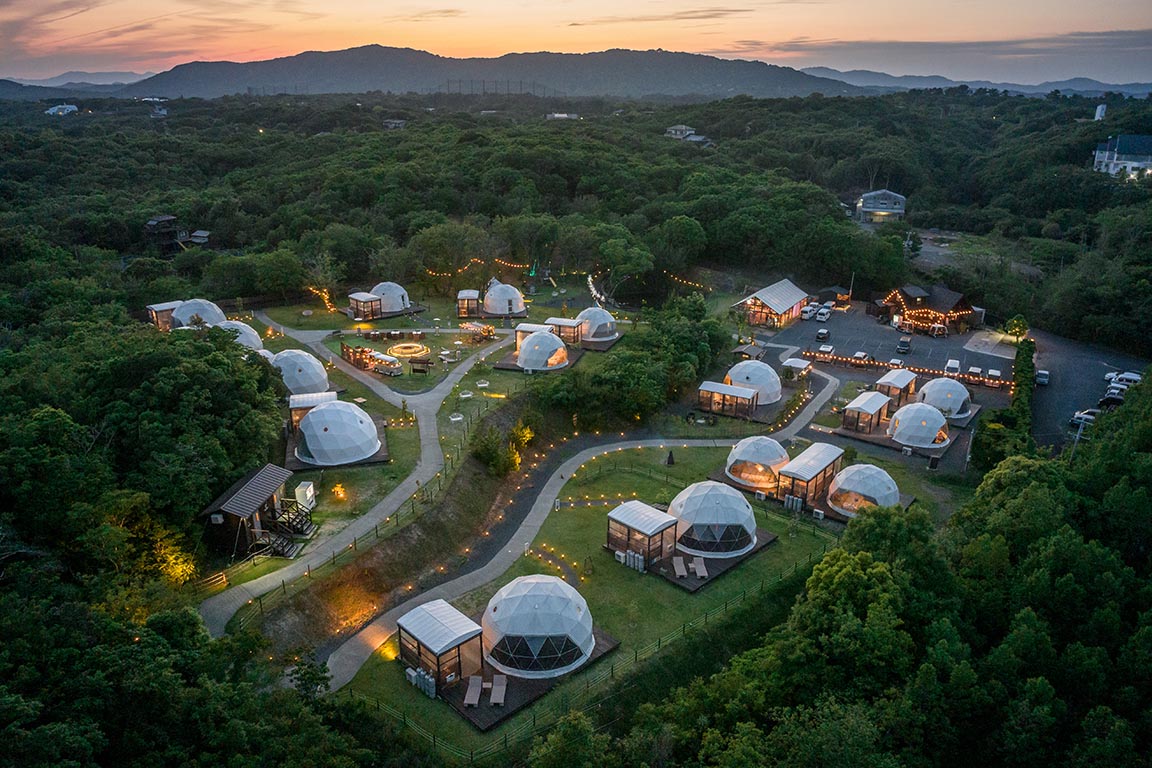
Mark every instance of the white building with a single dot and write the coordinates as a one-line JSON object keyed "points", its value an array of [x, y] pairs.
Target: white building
{"points": [[679, 132], [336, 433], [862, 485], [713, 520], [948, 396], [774, 306], [537, 627], [503, 299], [880, 205], [1128, 154], [753, 374], [62, 109]]}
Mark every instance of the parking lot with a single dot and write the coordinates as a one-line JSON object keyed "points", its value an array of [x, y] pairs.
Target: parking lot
{"points": [[854, 331]]}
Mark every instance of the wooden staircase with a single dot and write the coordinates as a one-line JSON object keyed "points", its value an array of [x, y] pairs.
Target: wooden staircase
{"points": [[294, 520]]}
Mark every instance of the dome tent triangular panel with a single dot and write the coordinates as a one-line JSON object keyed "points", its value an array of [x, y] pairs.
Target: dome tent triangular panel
{"points": [[537, 627], [597, 324], [756, 461], [303, 374], [919, 425], [335, 433], [503, 299], [542, 351], [245, 334], [393, 297], [197, 312], [862, 485], [713, 520], [948, 396], [754, 374]]}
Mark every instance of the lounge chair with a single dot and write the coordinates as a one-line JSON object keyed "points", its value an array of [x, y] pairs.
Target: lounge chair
{"points": [[699, 567], [499, 688], [472, 695], [678, 566]]}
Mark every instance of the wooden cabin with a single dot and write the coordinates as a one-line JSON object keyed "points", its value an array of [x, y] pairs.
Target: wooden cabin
{"points": [[899, 385], [468, 303], [775, 306], [866, 412], [567, 328], [160, 315], [256, 514], [365, 306]]}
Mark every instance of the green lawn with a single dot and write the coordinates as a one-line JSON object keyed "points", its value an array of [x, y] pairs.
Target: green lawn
{"points": [[413, 382], [635, 608]]}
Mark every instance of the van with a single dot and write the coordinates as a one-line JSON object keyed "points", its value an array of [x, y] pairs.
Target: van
{"points": [[823, 315], [1042, 377], [808, 312], [952, 368], [904, 346], [1129, 378]]}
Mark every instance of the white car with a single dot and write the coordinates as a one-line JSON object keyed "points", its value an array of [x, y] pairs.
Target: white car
{"points": [[808, 312], [1085, 417], [826, 349], [952, 368], [823, 315], [994, 377], [976, 371], [896, 362]]}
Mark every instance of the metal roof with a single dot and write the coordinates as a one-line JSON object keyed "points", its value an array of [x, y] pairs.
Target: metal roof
{"points": [[797, 363], [898, 377], [814, 460], [363, 296], [869, 402], [642, 518], [564, 322], [310, 399], [468, 293], [778, 297], [165, 306], [438, 626], [250, 492], [727, 389], [532, 328]]}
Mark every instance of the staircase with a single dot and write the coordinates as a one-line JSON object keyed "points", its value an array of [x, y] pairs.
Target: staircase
{"points": [[294, 520], [282, 546]]}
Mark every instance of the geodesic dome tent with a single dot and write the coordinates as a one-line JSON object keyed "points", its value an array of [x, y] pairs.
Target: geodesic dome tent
{"points": [[597, 324], [753, 374], [919, 425], [266, 355], [756, 461], [542, 351], [502, 299], [208, 313], [336, 433], [713, 520], [245, 334], [537, 627], [861, 485], [948, 396], [302, 372], [393, 297]]}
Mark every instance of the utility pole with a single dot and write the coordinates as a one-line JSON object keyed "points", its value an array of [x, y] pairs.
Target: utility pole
{"points": [[1076, 441]]}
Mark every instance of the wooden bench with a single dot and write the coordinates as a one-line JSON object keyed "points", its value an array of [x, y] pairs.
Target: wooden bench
{"points": [[472, 695], [699, 567], [499, 689], [678, 566]]}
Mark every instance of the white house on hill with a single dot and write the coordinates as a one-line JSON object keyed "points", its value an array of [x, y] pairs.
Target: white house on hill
{"points": [[880, 205]]}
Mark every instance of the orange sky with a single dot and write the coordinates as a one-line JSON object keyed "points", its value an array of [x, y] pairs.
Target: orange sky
{"points": [[1025, 40]]}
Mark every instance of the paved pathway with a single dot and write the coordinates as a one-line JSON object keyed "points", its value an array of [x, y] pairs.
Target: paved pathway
{"points": [[347, 659], [220, 608]]}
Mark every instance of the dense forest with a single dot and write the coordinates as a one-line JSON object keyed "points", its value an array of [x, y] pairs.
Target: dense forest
{"points": [[1019, 635]]}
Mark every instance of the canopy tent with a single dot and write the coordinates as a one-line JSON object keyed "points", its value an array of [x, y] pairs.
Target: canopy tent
{"points": [[245, 334], [919, 425], [755, 462], [537, 627], [862, 485], [798, 365], [597, 324], [302, 372], [197, 312], [753, 374], [948, 396], [713, 520], [542, 351], [336, 433]]}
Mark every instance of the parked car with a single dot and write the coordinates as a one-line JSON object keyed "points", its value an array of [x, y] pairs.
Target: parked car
{"points": [[1116, 392], [861, 358], [827, 349], [808, 312], [1042, 377], [904, 346], [1128, 378], [976, 371], [829, 305], [995, 377], [952, 368], [823, 315], [1085, 417], [896, 362], [823, 334]]}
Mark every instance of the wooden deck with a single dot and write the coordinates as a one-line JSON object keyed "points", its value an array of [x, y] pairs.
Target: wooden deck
{"points": [[715, 566], [380, 457]]}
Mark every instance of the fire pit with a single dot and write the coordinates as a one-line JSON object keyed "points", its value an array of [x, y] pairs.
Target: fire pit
{"points": [[408, 349]]}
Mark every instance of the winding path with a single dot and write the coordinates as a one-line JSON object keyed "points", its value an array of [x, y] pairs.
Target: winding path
{"points": [[219, 609]]}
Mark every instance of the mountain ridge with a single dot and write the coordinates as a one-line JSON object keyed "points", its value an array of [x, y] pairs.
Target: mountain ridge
{"points": [[867, 78]]}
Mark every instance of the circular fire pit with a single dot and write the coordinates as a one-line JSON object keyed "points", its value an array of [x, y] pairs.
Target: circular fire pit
{"points": [[408, 349]]}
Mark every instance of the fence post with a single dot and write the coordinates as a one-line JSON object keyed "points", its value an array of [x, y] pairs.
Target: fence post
{"points": [[283, 587], [376, 528], [260, 601]]}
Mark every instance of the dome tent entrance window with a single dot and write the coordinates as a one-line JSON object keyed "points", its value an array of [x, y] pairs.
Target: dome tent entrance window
{"points": [[753, 374], [537, 627], [862, 485], [336, 433], [713, 520]]}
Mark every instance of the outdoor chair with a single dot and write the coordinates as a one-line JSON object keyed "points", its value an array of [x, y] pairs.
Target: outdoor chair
{"points": [[678, 566], [472, 695], [499, 689], [699, 567]]}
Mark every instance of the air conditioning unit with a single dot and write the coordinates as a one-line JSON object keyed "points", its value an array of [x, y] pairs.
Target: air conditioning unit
{"points": [[450, 678], [216, 519], [906, 450], [818, 514], [760, 496], [620, 557]]}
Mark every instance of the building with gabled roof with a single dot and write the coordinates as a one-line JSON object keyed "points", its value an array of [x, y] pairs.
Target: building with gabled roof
{"points": [[1129, 154], [880, 205], [917, 308], [774, 306]]}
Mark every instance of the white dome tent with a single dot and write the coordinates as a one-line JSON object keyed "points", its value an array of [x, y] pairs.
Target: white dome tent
{"points": [[393, 297], [753, 374], [948, 396], [537, 627], [919, 425], [542, 351], [713, 520], [755, 462], [862, 485], [502, 299], [597, 324], [266, 355], [335, 433], [303, 373], [187, 313], [245, 334]]}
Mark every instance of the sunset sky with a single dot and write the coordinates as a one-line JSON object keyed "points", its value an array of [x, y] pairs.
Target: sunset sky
{"points": [[1009, 40]]}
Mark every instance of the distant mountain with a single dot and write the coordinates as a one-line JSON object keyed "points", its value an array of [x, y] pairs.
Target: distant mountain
{"points": [[608, 73], [1081, 85], [13, 91], [79, 79]]}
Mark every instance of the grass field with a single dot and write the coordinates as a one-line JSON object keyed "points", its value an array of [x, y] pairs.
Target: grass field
{"points": [[635, 608]]}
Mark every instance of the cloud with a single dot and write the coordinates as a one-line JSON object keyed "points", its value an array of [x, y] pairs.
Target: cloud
{"points": [[429, 15], [695, 14]]}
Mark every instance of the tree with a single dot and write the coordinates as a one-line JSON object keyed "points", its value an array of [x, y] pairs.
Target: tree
{"points": [[1016, 327], [323, 272], [573, 743]]}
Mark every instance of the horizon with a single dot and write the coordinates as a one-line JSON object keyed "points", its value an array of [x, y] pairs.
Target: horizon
{"points": [[935, 38]]}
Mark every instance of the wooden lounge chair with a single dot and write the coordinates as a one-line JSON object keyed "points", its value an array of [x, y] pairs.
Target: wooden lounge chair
{"points": [[678, 566], [472, 695], [699, 567], [499, 688]]}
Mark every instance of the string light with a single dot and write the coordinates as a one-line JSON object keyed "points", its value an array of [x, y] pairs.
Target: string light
{"points": [[326, 297], [689, 283]]}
